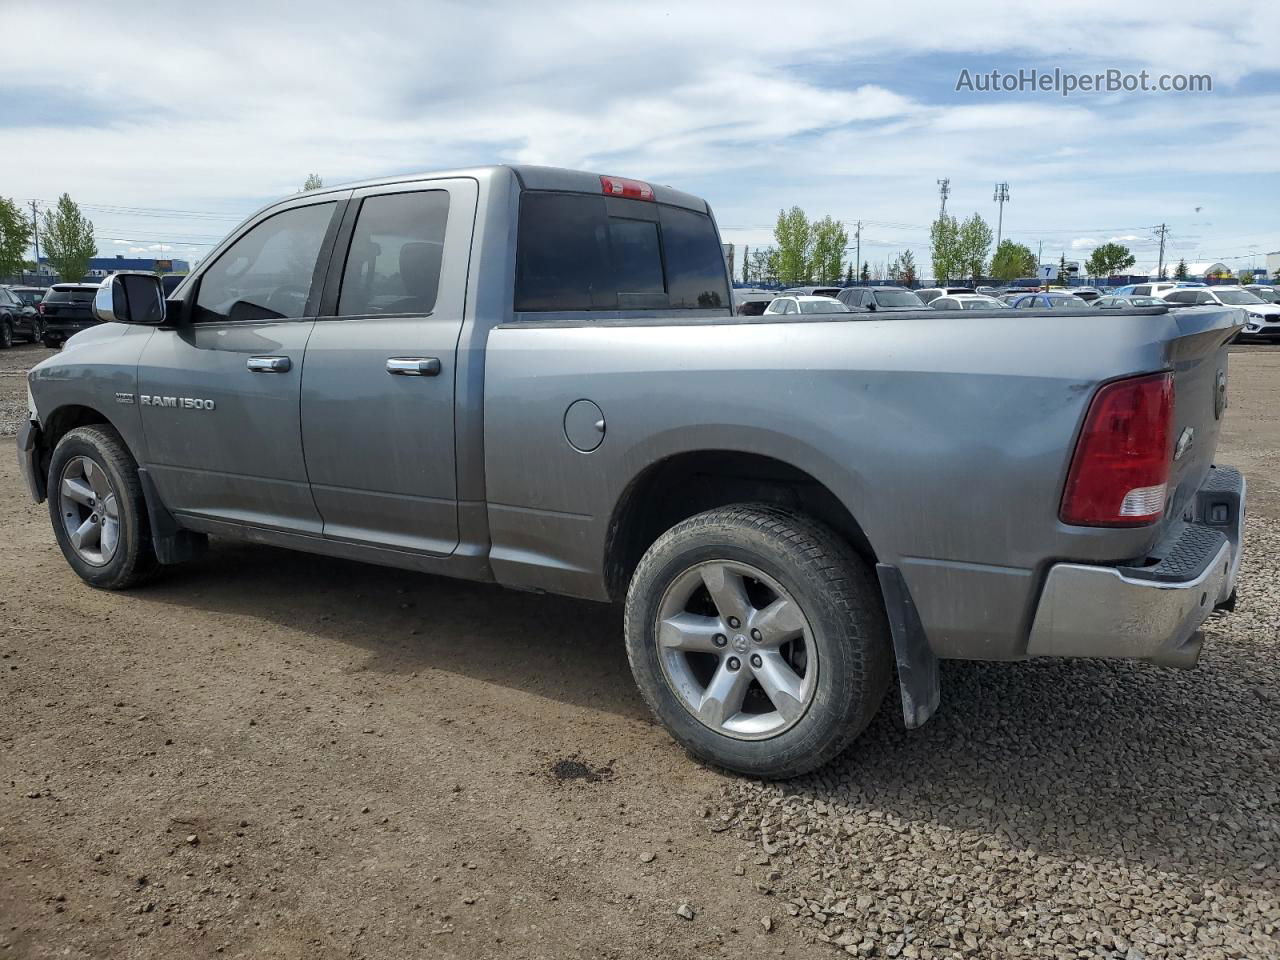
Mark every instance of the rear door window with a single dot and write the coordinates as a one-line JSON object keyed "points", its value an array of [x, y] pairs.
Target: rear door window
{"points": [[393, 263], [579, 252]]}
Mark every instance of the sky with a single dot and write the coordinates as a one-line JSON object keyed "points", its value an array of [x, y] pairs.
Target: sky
{"points": [[169, 125]]}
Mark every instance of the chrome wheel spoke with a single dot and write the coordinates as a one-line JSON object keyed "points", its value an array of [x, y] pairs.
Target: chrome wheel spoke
{"points": [[110, 507], [728, 591], [779, 622], [97, 478], [781, 684], [109, 537], [78, 491], [87, 535], [690, 633], [724, 695]]}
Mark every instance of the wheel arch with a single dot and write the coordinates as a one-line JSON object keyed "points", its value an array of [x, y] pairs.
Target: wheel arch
{"points": [[61, 421], [690, 482]]}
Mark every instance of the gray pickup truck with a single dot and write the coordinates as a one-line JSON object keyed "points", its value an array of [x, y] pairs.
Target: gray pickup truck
{"points": [[535, 377]]}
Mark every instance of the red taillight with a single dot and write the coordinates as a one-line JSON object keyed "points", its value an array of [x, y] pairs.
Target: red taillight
{"points": [[1120, 470], [40, 307], [621, 187]]}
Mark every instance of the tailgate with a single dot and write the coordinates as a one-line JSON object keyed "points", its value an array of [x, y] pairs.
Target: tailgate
{"points": [[1198, 358]]}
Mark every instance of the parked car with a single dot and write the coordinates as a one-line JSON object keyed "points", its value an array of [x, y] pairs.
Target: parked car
{"points": [[31, 297], [967, 301], [1149, 289], [1264, 292], [16, 319], [555, 395], [882, 299], [812, 291], [1048, 301], [752, 303], [1123, 303], [800, 304], [929, 294], [1262, 318], [67, 308], [1087, 294], [988, 291]]}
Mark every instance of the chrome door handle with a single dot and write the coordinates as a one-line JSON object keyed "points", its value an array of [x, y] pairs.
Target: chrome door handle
{"points": [[269, 364], [413, 366]]}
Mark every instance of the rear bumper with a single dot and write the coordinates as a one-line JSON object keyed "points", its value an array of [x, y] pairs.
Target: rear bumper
{"points": [[1151, 611], [63, 329]]}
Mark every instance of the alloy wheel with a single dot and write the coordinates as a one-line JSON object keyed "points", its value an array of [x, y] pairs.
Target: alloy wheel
{"points": [[90, 511], [737, 650]]}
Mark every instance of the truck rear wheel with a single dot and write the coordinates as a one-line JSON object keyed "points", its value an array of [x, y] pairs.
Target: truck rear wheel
{"points": [[98, 510], [759, 638]]}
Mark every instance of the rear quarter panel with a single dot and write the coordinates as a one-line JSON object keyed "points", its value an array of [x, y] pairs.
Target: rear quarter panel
{"points": [[947, 440]]}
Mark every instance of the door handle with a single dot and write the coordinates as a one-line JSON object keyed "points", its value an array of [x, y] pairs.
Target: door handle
{"points": [[413, 366], [269, 364]]}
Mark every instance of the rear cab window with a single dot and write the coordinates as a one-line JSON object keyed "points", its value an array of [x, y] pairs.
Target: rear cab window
{"points": [[578, 252]]}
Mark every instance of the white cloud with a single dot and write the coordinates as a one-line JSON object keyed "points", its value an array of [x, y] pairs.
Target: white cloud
{"points": [[752, 104]]}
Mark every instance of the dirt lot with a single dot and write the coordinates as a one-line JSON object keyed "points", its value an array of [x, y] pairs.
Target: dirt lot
{"points": [[267, 754]]}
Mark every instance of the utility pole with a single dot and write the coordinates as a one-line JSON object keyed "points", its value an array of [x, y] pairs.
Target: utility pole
{"points": [[1162, 230], [944, 188], [857, 267], [35, 224], [1002, 194]]}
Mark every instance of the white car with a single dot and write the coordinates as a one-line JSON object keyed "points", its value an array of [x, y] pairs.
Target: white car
{"points": [[968, 301], [803, 304], [1262, 319], [929, 294]]}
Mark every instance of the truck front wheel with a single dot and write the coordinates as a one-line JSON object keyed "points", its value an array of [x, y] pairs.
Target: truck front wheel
{"points": [[98, 509], [759, 638]]}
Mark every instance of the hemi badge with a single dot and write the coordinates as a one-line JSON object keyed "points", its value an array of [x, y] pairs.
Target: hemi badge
{"points": [[1184, 443], [124, 398]]}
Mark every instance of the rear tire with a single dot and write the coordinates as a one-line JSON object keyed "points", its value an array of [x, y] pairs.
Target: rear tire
{"points": [[6, 334], [51, 342], [98, 510], [682, 640]]}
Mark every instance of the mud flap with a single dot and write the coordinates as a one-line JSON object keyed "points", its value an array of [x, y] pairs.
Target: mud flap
{"points": [[917, 665], [172, 543]]}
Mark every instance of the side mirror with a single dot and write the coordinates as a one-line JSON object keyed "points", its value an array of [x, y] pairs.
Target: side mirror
{"points": [[130, 297]]}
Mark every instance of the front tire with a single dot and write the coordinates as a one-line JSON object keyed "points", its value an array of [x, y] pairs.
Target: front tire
{"points": [[759, 639], [98, 510], [6, 334]]}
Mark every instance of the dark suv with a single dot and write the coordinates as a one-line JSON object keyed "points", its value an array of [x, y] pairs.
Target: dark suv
{"points": [[880, 298], [16, 319], [65, 310]]}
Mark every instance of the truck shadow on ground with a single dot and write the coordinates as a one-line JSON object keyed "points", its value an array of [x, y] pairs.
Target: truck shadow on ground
{"points": [[1087, 758]]}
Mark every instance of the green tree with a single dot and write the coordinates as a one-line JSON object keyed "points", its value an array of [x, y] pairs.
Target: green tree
{"points": [[974, 243], [944, 248], [15, 236], [848, 274], [1109, 259], [762, 269], [1063, 272], [313, 182], [1246, 276], [829, 238], [865, 276], [1012, 260], [1181, 272], [907, 269], [794, 237], [68, 239]]}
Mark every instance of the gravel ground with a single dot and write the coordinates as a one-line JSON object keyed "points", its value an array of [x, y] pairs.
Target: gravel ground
{"points": [[1052, 809], [14, 364], [271, 754]]}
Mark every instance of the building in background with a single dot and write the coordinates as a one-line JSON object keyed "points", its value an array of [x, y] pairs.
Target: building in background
{"points": [[100, 267]]}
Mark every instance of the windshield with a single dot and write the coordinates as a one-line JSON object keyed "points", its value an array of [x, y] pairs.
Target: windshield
{"points": [[822, 306], [897, 298], [1238, 298]]}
